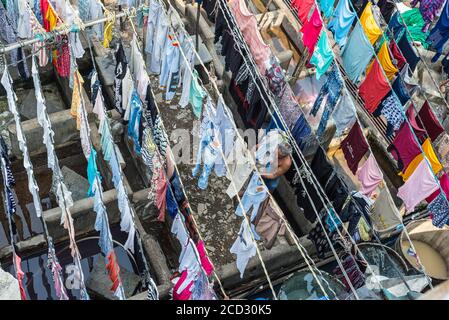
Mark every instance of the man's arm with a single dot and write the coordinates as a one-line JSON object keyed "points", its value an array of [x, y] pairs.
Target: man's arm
{"points": [[281, 169]]}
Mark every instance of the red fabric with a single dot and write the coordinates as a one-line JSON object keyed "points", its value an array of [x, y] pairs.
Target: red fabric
{"points": [[205, 262], [444, 182], [400, 60], [20, 274], [311, 31], [62, 63], [404, 147], [374, 88], [419, 131], [44, 8], [113, 270], [186, 293], [430, 121], [302, 8], [354, 147]]}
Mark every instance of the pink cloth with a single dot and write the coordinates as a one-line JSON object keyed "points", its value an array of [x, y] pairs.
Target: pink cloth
{"points": [[303, 8], [418, 187], [161, 193], [248, 25], [205, 262], [186, 293], [311, 31], [444, 183], [20, 274], [369, 176]]}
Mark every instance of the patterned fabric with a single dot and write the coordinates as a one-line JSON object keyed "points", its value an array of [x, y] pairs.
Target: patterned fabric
{"points": [[160, 138], [392, 111], [429, 10], [440, 210]]}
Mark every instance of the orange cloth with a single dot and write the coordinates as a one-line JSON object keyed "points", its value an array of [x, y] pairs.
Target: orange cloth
{"points": [[385, 62], [430, 155], [369, 24]]}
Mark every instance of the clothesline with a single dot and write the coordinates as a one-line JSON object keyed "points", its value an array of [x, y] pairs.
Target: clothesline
{"points": [[218, 90], [358, 121], [159, 156], [314, 180]]}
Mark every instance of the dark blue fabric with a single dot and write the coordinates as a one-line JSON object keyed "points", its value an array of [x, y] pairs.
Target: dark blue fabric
{"points": [[408, 52], [300, 131], [172, 206], [440, 33], [275, 123], [400, 90]]}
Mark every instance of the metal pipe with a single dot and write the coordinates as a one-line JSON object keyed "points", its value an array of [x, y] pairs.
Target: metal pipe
{"points": [[28, 42]]}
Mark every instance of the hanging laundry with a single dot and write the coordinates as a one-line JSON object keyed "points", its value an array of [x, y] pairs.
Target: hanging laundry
{"points": [[327, 7], [444, 184], [311, 31], [440, 33], [270, 225], [108, 33], [419, 186], [369, 24], [76, 98], [431, 157], [357, 53], [331, 90], [186, 71], [114, 271], [244, 247], [202, 289], [429, 10], [408, 52], [101, 221], [399, 59], [248, 25], [20, 275], [391, 109], [301, 132], [92, 172], [136, 107], [205, 262], [439, 209], [156, 36], [208, 151], [253, 197], [442, 145], [240, 167], [404, 147], [344, 114], [322, 56], [427, 118], [23, 23], [354, 147], [302, 8], [121, 69], [420, 133], [169, 77], [387, 8], [384, 214], [385, 61], [341, 22], [56, 272], [189, 262], [369, 176], [374, 88], [400, 90], [197, 95]]}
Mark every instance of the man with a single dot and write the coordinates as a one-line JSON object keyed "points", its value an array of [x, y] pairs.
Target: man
{"points": [[282, 163]]}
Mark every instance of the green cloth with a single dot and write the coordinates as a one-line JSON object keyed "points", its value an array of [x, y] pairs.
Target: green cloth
{"points": [[196, 95], [322, 55], [415, 22]]}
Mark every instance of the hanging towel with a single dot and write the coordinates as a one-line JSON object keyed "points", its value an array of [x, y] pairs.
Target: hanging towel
{"points": [[370, 26]]}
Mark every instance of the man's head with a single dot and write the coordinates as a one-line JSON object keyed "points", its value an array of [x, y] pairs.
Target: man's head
{"points": [[284, 149]]}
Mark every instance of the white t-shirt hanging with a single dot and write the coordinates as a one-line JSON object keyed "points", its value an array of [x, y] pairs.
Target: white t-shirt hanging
{"points": [[244, 247]]}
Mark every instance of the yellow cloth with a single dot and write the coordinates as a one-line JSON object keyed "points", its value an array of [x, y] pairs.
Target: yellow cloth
{"points": [[369, 24], [52, 17], [76, 98], [107, 35], [385, 62], [430, 154]]}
